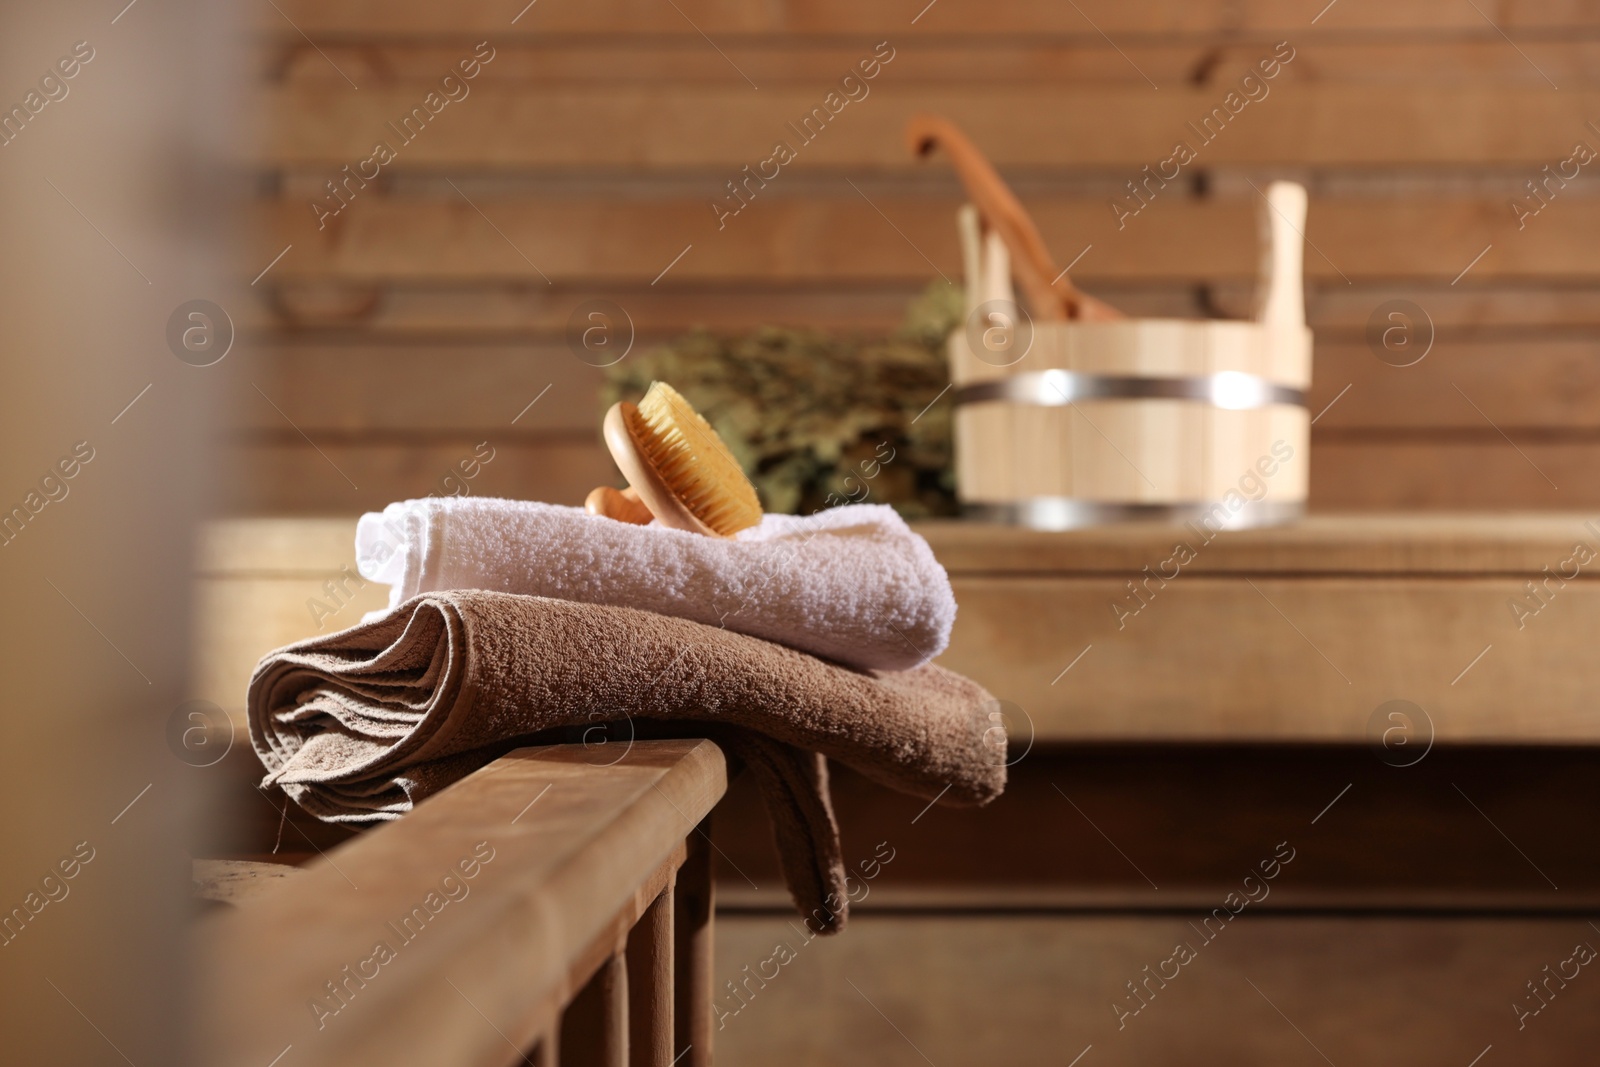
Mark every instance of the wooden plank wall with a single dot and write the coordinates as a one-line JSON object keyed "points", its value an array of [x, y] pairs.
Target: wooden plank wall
{"points": [[584, 157]]}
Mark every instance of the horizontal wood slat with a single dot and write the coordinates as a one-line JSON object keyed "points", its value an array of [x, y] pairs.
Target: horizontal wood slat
{"points": [[818, 240], [498, 391], [286, 475], [1383, 544], [517, 311], [1016, 991], [1480, 473], [1547, 386], [1544, 385], [344, 313], [1279, 658], [1505, 311], [1434, 474], [1142, 796], [834, 17], [580, 60], [684, 127]]}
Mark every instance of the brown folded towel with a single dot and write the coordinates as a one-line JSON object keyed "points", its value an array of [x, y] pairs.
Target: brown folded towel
{"points": [[360, 725]]}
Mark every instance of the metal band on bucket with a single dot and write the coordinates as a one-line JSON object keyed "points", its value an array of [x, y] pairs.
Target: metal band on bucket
{"points": [[1068, 513], [1230, 390]]}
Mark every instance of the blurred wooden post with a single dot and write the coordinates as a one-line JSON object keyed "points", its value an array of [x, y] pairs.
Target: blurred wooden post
{"points": [[650, 994], [695, 900], [547, 1053], [594, 1030], [108, 460]]}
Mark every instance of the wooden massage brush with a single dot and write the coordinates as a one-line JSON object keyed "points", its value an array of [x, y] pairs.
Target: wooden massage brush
{"points": [[1051, 295], [679, 471]]}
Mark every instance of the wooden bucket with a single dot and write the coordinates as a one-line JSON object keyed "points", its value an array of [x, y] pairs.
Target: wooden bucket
{"points": [[1067, 424]]}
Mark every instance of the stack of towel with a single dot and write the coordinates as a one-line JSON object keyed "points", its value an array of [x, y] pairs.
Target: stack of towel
{"points": [[802, 638]]}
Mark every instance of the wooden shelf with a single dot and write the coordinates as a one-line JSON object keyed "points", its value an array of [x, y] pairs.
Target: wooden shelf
{"points": [[1285, 635], [1360, 544], [1291, 634]]}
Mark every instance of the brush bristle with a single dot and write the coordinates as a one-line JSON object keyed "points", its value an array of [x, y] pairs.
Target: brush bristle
{"points": [[691, 459]]}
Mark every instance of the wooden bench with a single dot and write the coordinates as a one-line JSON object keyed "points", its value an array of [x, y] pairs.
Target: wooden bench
{"points": [[551, 906], [1291, 634], [1169, 760], [1326, 619]]}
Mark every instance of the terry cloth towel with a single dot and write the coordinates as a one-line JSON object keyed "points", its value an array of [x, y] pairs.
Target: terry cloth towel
{"points": [[360, 725], [852, 584]]}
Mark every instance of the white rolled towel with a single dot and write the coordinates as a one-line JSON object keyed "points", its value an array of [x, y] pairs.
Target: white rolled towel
{"points": [[852, 584]]}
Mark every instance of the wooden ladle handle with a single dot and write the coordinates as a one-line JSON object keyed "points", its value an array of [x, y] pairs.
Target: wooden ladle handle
{"points": [[1051, 293]]}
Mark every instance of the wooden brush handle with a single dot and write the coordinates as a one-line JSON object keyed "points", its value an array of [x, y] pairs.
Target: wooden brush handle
{"points": [[623, 505], [1051, 292]]}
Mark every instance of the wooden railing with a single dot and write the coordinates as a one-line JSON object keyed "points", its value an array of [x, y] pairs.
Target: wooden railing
{"points": [[553, 907]]}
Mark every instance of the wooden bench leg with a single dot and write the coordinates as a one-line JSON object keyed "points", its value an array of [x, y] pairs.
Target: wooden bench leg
{"points": [[650, 999], [694, 901], [594, 1028], [547, 1053]]}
